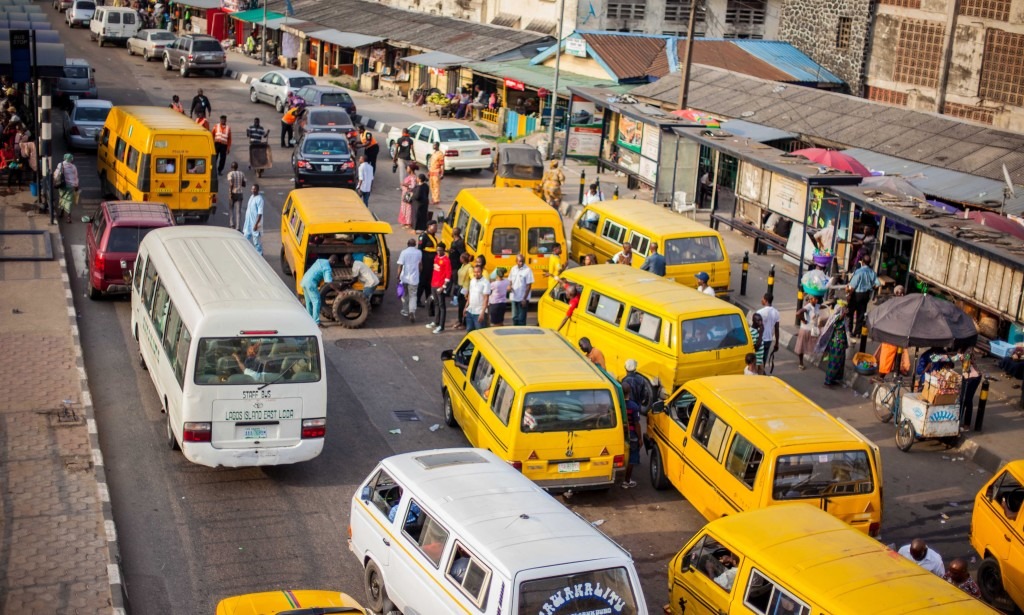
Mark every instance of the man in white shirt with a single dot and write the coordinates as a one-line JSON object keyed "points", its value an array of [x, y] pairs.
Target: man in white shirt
{"points": [[476, 300], [625, 255], [409, 277], [770, 318], [520, 279], [365, 180], [364, 274], [702, 284], [593, 195], [921, 554]]}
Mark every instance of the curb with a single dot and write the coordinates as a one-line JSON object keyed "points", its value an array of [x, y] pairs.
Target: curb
{"points": [[117, 589]]}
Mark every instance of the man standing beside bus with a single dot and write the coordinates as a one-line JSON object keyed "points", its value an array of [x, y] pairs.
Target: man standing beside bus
{"points": [[222, 142], [322, 270], [253, 228]]}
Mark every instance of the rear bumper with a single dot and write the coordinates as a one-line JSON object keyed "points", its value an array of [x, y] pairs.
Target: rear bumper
{"points": [[578, 483], [82, 141], [332, 180], [466, 163], [205, 454]]}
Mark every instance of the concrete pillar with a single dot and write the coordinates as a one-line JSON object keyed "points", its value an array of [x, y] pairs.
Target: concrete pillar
{"points": [[45, 146]]}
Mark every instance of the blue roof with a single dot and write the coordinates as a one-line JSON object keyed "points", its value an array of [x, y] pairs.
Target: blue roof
{"points": [[788, 59]]}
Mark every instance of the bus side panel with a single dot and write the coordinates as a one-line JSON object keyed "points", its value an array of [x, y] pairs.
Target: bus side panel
{"points": [[583, 239]]}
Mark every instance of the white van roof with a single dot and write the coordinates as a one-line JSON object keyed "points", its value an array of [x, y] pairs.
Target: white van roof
{"points": [[502, 515]]}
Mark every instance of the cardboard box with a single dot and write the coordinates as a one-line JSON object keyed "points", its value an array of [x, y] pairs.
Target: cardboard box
{"points": [[936, 396]]}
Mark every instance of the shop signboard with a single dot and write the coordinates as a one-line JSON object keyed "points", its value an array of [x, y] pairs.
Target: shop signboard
{"points": [[650, 142], [584, 140], [648, 169], [576, 47], [629, 160], [787, 197], [630, 134], [512, 84], [748, 182]]}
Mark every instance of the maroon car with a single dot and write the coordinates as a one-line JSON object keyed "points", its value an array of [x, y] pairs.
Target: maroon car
{"points": [[112, 242]]}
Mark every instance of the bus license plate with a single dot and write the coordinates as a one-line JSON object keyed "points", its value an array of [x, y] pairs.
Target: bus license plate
{"points": [[565, 468], [257, 433]]}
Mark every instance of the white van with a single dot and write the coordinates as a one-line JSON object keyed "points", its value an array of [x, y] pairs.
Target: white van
{"points": [[112, 24], [461, 531]]}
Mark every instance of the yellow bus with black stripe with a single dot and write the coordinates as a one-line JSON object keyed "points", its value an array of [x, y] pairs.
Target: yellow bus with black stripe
{"points": [[529, 396], [158, 154]]}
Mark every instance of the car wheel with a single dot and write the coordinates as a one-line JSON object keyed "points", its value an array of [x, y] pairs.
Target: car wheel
{"points": [[183, 70], [475, 171], [100, 41], [449, 411], [131, 51], [167, 63], [94, 293], [350, 309], [658, 479], [376, 594], [218, 73], [172, 442], [279, 105], [252, 95], [284, 263]]}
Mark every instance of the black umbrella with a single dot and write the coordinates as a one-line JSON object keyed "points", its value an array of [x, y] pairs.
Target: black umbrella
{"points": [[921, 321]]}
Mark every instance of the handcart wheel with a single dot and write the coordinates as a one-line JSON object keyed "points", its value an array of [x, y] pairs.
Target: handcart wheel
{"points": [[882, 402], [904, 435]]}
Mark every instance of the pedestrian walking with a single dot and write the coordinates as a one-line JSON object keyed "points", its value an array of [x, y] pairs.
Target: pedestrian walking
{"points": [[554, 269], [200, 103], [463, 278], [288, 124], [498, 302], [863, 282], [236, 192], [632, 434], [770, 337], [404, 153], [322, 271], [520, 279], [176, 104], [702, 284], [256, 133], [421, 203], [596, 356], [440, 279], [364, 181], [958, 575], [924, 556], [65, 180], [436, 174], [756, 336], [222, 142], [807, 338], [371, 149], [252, 230], [593, 194], [201, 120], [832, 345], [655, 262], [477, 295], [426, 243], [551, 185], [409, 277], [643, 392], [407, 186]]}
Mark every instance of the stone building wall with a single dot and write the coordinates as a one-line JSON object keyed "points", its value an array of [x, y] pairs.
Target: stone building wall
{"points": [[834, 33]]}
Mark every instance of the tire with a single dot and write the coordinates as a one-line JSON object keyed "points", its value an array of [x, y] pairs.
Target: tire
{"points": [[94, 293], [167, 64], [658, 479], [475, 171], [376, 594], [990, 582], [279, 105], [130, 52], [350, 309], [252, 96], [100, 41], [284, 264], [183, 70], [218, 73], [883, 407], [904, 435], [142, 360], [172, 442], [449, 411]]}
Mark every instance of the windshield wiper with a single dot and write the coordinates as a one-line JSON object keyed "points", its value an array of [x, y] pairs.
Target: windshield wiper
{"points": [[274, 381]]}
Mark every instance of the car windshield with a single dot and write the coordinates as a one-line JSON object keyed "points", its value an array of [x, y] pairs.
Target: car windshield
{"points": [[76, 72], [91, 114], [334, 99], [325, 147], [568, 411], [299, 82], [126, 238], [447, 135], [206, 46], [330, 118], [593, 591], [822, 474], [242, 360]]}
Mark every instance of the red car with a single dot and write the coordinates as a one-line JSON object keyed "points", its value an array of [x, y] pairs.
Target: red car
{"points": [[112, 242]]}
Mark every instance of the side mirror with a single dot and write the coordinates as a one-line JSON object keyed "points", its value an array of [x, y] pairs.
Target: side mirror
{"points": [[657, 407], [447, 355], [364, 495]]}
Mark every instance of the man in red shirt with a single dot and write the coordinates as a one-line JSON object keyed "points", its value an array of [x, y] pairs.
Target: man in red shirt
{"points": [[439, 281], [574, 302]]}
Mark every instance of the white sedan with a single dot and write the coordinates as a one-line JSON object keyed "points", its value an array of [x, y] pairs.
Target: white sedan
{"points": [[275, 86], [462, 148], [150, 43]]}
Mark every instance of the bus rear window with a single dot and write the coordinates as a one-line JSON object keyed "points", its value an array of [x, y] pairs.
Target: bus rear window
{"points": [[714, 333], [568, 411], [693, 250], [594, 591], [246, 360], [814, 475]]}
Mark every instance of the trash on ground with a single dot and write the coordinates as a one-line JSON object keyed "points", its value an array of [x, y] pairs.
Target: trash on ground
{"points": [[415, 358], [598, 523], [396, 432], [435, 427]]}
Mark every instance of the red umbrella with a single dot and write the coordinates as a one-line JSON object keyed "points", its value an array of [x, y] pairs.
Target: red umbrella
{"points": [[834, 160]]}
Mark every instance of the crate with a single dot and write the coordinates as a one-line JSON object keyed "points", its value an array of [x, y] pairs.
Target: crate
{"points": [[930, 420], [937, 396], [1000, 349]]}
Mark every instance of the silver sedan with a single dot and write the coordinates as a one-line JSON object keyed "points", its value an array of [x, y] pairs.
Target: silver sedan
{"points": [[150, 43], [83, 121]]}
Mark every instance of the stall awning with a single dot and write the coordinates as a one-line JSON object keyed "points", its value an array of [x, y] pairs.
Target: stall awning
{"points": [[756, 132], [537, 76], [202, 4], [351, 40], [437, 59], [275, 24], [255, 16]]}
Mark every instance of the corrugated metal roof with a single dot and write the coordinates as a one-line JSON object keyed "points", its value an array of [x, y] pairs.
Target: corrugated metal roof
{"points": [[727, 55], [436, 59], [628, 57], [910, 135], [539, 76], [788, 58], [344, 39], [756, 132], [507, 20], [201, 4]]}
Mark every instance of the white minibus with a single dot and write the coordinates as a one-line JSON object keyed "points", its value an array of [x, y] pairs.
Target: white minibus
{"points": [[237, 363], [461, 531]]}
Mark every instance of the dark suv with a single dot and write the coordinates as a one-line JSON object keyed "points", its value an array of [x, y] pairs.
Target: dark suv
{"points": [[328, 96], [112, 242], [195, 52]]}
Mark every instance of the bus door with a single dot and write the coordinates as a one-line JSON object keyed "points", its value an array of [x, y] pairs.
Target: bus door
{"points": [[166, 183], [195, 181]]}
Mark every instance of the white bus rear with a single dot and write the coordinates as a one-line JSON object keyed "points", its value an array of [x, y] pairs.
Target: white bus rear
{"points": [[237, 363]]}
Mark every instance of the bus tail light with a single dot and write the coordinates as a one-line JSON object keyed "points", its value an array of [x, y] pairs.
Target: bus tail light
{"points": [[197, 432], [314, 428], [619, 461], [874, 528], [517, 465]]}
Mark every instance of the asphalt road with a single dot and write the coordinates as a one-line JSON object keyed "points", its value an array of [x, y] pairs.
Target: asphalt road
{"points": [[191, 535]]}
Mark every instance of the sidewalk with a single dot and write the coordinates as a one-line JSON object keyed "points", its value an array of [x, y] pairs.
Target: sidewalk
{"points": [[59, 551]]}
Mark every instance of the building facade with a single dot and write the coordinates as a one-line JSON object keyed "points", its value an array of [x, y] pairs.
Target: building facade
{"points": [[834, 33]]}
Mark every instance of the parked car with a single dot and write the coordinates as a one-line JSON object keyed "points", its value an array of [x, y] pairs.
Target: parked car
{"points": [[80, 13], [61, 5], [149, 43], [323, 159], [112, 242], [83, 121], [328, 96], [275, 87], [79, 81], [113, 24], [289, 601], [325, 119], [462, 147], [195, 52]]}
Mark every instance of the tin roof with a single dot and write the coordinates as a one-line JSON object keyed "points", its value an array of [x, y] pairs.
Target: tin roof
{"points": [[627, 56], [539, 76], [787, 58]]}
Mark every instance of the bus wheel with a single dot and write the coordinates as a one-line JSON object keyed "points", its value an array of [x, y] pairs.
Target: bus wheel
{"points": [[351, 309], [658, 480], [142, 360], [376, 595], [990, 582], [284, 263], [172, 442], [449, 412]]}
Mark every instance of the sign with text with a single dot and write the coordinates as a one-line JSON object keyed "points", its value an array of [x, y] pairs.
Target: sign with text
{"points": [[512, 84], [576, 47], [787, 197], [21, 56]]}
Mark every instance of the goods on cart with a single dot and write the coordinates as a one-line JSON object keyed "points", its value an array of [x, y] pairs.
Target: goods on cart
{"points": [[942, 387]]}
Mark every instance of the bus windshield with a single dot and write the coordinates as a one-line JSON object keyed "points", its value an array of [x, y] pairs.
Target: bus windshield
{"points": [[248, 360], [568, 411], [814, 475], [594, 591]]}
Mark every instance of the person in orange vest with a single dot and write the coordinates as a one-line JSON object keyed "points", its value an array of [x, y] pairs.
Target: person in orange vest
{"points": [[176, 104], [288, 123], [222, 142], [201, 120]]}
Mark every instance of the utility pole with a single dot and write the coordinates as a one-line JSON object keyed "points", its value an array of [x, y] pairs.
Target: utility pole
{"points": [[263, 37], [554, 91], [684, 80]]}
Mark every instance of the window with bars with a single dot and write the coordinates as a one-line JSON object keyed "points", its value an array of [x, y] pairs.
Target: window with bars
{"points": [[907, 4], [918, 52], [745, 12], [679, 11], [969, 112], [844, 29], [1002, 68], [627, 10], [742, 36], [998, 10], [886, 96]]}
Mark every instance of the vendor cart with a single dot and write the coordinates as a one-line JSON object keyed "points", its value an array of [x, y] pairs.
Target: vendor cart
{"points": [[260, 157]]}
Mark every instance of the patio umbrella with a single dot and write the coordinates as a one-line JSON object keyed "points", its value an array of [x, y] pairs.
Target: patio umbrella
{"points": [[896, 186], [921, 321], [834, 160]]}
